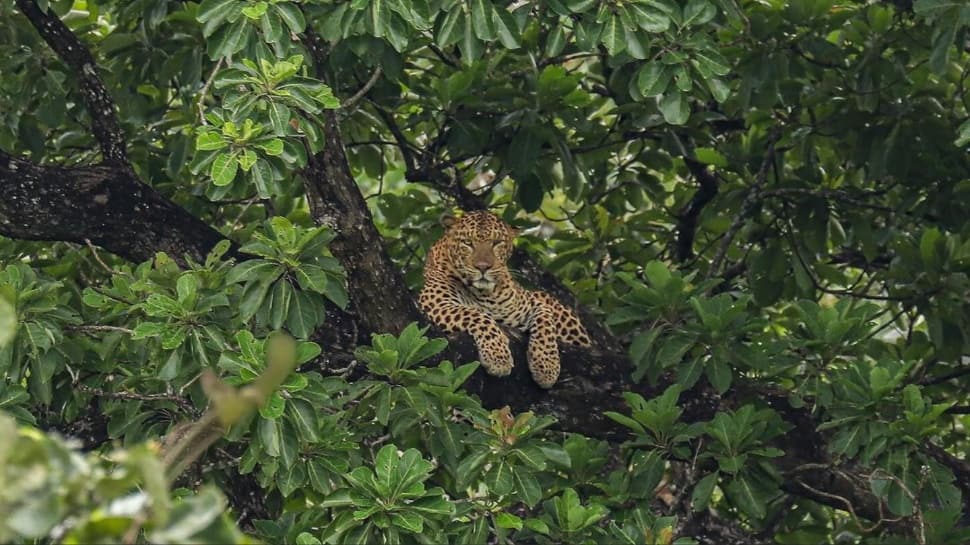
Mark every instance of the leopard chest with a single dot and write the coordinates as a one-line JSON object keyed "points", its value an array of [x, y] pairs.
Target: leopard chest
{"points": [[510, 307]]}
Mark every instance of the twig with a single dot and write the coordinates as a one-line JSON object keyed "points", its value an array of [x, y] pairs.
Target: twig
{"points": [[750, 200], [104, 122], [917, 513], [845, 501], [824, 194], [352, 101], [690, 482], [407, 149], [446, 57], [199, 104], [86, 328], [183, 403], [818, 285], [246, 205], [97, 257], [930, 381]]}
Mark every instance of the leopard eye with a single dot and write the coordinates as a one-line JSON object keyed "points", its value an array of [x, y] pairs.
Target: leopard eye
{"points": [[465, 244]]}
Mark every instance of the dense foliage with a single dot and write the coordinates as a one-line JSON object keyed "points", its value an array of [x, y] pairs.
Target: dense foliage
{"points": [[765, 201]]}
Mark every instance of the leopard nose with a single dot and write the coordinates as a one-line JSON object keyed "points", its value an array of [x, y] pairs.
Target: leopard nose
{"points": [[483, 266]]}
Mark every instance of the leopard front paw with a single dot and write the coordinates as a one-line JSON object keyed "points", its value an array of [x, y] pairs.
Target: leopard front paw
{"points": [[544, 363], [496, 358]]}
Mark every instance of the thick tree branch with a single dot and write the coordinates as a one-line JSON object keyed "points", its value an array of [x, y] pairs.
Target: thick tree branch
{"points": [[105, 204], [335, 200], [687, 219], [100, 106]]}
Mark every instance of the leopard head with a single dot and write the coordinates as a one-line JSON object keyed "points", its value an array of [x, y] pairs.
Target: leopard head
{"points": [[480, 246]]}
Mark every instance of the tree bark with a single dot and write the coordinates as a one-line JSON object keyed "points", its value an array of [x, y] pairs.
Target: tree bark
{"points": [[104, 204], [336, 201]]}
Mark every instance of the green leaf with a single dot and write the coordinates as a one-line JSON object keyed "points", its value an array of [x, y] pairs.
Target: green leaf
{"points": [[698, 12], [273, 147], [255, 11], [433, 505], [214, 12], [508, 520], [964, 134], [701, 495], [385, 464], [304, 419], [254, 269], [269, 436], [292, 16], [527, 486], [274, 407], [411, 522], [470, 46], [555, 41], [312, 278], [710, 62], [147, 329], [304, 316], [674, 108], [223, 169], [448, 31], [482, 19], [229, 39], [719, 90], [710, 156], [262, 174], [930, 246], [523, 150], [272, 27], [648, 17], [538, 526], [532, 457], [306, 538], [689, 372], [913, 399], [187, 288], [719, 374], [499, 479], [746, 496], [613, 36], [252, 298], [279, 118], [161, 306], [625, 421], [246, 159], [379, 18], [653, 78], [210, 140], [506, 28]]}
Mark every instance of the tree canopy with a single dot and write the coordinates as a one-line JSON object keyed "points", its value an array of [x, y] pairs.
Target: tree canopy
{"points": [[214, 217]]}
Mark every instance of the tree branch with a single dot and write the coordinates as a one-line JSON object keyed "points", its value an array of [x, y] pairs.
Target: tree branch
{"points": [[687, 218], [105, 204], [352, 101], [100, 106]]}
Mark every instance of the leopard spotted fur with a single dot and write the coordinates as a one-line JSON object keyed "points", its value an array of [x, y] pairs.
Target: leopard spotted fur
{"points": [[467, 287]]}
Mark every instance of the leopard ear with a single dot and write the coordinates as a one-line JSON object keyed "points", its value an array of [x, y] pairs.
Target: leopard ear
{"points": [[447, 219], [513, 232]]}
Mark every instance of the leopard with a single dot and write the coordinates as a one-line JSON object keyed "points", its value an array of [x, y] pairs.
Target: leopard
{"points": [[468, 287]]}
